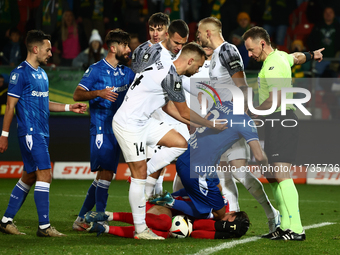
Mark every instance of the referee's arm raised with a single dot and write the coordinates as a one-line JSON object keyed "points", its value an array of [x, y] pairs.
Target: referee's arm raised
{"points": [[303, 57]]}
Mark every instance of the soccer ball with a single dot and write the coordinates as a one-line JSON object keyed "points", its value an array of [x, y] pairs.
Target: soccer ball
{"points": [[181, 226]]}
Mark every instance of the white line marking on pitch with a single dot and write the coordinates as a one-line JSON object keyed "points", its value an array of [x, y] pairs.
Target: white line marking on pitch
{"points": [[250, 239], [303, 201]]}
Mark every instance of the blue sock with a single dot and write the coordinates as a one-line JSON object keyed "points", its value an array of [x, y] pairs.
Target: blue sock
{"points": [[102, 195], [18, 196], [42, 202], [90, 200], [187, 207]]}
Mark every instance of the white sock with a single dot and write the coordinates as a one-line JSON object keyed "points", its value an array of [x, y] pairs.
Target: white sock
{"points": [[44, 226], [229, 190], [163, 158], [80, 219], [149, 186], [177, 184], [107, 228], [6, 219], [159, 185], [255, 187], [110, 216], [138, 203]]}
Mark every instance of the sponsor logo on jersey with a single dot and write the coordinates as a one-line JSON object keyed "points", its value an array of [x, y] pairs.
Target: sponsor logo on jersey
{"points": [[115, 73], [14, 78], [39, 76], [87, 72], [159, 65], [39, 94], [271, 68], [121, 88], [146, 57], [178, 86]]}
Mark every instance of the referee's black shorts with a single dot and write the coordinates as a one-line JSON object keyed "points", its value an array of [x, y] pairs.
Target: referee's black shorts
{"points": [[281, 137]]}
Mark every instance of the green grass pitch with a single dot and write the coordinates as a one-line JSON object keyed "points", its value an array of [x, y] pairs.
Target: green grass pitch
{"points": [[318, 204]]}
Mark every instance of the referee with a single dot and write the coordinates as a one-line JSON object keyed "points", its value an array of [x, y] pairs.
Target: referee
{"points": [[280, 142]]}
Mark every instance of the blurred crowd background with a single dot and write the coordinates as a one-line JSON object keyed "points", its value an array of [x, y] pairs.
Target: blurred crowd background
{"points": [[78, 29]]}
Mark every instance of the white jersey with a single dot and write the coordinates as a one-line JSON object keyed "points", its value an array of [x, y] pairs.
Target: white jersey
{"points": [[150, 91], [225, 62], [137, 55], [152, 54]]}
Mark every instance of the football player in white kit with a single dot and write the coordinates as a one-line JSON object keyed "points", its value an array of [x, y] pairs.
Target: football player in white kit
{"points": [[226, 67], [201, 78], [166, 51], [158, 30], [135, 128]]}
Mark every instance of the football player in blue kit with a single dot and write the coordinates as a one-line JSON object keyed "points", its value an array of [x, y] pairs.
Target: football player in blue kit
{"points": [[104, 85], [28, 94], [197, 166]]}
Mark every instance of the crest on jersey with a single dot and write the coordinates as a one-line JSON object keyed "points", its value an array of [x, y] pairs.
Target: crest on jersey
{"points": [[87, 72], [146, 57], [14, 78], [178, 86], [213, 64], [99, 140]]}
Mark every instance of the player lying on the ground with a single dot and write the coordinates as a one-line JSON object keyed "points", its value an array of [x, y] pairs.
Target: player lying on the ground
{"points": [[196, 166], [158, 218]]}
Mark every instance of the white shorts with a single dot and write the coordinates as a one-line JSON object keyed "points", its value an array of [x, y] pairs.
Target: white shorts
{"points": [[239, 150], [180, 128], [134, 141]]}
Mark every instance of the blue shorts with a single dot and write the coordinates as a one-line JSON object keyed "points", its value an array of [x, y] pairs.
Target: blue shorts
{"points": [[202, 191], [34, 152], [105, 152]]}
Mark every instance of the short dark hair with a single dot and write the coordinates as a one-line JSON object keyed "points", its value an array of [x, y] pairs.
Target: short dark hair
{"points": [[193, 47], [178, 26], [257, 33], [159, 19], [117, 36], [35, 36]]}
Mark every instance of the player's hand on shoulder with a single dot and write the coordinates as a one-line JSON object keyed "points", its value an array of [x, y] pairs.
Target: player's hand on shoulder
{"points": [[3, 144], [78, 108], [318, 55], [220, 124], [108, 94]]}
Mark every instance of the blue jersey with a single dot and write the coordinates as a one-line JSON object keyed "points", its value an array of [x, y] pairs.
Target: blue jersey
{"points": [[99, 76], [207, 145], [30, 85]]}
